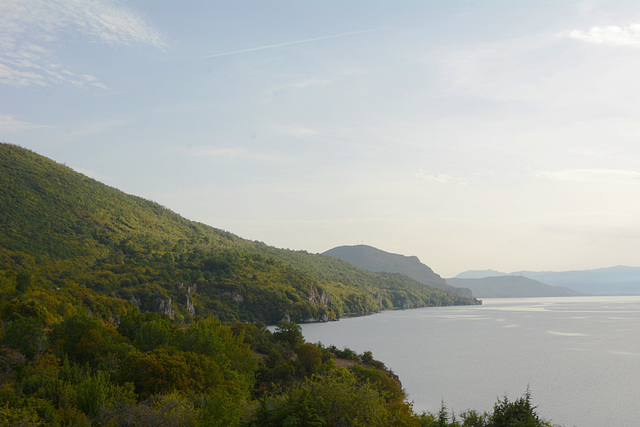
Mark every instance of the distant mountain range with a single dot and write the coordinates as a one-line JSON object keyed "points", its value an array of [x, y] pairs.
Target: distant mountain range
{"points": [[379, 261], [510, 287], [619, 280]]}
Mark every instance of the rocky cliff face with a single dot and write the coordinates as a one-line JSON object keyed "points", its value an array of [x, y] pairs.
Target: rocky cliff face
{"points": [[165, 307], [319, 298]]}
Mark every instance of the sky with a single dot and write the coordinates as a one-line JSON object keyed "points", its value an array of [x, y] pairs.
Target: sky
{"points": [[473, 134]]}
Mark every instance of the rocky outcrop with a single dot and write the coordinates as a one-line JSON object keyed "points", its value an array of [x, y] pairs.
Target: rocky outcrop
{"points": [[165, 307], [407, 305], [233, 295], [378, 298], [319, 298], [190, 307], [135, 301]]}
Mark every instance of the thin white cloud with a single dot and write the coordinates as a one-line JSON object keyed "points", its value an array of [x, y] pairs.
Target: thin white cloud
{"points": [[30, 30], [294, 131], [593, 175], [237, 153], [96, 128], [442, 178], [272, 46], [609, 35], [311, 82], [302, 84], [9, 123], [224, 153]]}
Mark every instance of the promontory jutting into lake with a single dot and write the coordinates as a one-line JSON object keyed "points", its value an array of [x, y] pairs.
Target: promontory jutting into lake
{"points": [[579, 356]]}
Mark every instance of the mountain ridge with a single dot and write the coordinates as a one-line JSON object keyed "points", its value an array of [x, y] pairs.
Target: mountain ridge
{"points": [[65, 232], [377, 260], [508, 286], [616, 280]]}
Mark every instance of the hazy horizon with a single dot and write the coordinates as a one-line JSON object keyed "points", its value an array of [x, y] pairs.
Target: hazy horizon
{"points": [[474, 135]]}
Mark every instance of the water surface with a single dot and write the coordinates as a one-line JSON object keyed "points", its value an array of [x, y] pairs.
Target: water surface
{"points": [[580, 356]]}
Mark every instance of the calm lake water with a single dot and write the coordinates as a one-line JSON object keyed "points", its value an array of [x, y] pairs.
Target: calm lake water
{"points": [[580, 356]]}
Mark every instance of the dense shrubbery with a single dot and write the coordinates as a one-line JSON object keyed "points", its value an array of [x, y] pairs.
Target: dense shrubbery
{"points": [[147, 369]]}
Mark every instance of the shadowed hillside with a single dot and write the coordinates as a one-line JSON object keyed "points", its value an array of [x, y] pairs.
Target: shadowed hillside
{"points": [[376, 260]]}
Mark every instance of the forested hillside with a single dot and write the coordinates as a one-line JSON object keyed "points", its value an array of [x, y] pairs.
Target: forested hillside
{"points": [[64, 234], [111, 309]]}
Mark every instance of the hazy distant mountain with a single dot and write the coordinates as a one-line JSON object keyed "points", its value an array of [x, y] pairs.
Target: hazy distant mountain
{"points": [[378, 261], [619, 280], [510, 287], [479, 274]]}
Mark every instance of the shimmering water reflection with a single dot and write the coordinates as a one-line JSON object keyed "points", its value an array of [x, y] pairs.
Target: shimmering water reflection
{"points": [[580, 356]]}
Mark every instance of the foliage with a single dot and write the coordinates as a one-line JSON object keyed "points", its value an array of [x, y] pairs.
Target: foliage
{"points": [[72, 244], [519, 413], [115, 311], [335, 398]]}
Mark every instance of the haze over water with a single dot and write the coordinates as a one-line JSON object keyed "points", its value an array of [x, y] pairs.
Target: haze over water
{"points": [[580, 356]]}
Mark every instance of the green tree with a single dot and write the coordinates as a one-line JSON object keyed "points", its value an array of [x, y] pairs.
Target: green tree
{"points": [[85, 339], [26, 335], [164, 370], [519, 413], [309, 358], [335, 398], [290, 333]]}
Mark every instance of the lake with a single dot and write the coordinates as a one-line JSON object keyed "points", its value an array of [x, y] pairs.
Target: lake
{"points": [[580, 356]]}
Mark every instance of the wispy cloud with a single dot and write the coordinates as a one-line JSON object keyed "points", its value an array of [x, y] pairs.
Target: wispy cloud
{"points": [[302, 84], [236, 153], [224, 153], [442, 178], [295, 131], [9, 123], [30, 30], [609, 35], [96, 128], [272, 46], [593, 175]]}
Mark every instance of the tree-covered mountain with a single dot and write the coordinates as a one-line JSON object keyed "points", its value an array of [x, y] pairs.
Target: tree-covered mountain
{"points": [[72, 240], [108, 306], [511, 287], [376, 260]]}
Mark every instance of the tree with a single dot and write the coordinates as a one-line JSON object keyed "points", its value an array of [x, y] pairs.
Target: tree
{"points": [[84, 339], [26, 335], [519, 413], [290, 333], [335, 398], [164, 370], [309, 358]]}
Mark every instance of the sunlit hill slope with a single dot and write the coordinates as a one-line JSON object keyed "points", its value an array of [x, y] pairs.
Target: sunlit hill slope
{"points": [[69, 241]]}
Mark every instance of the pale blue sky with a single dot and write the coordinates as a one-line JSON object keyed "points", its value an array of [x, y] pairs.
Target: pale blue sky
{"points": [[473, 134]]}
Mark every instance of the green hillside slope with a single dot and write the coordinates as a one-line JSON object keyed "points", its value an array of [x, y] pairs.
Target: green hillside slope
{"points": [[64, 235]]}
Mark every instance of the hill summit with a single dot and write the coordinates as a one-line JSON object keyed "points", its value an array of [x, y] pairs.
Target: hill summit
{"points": [[376, 260]]}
